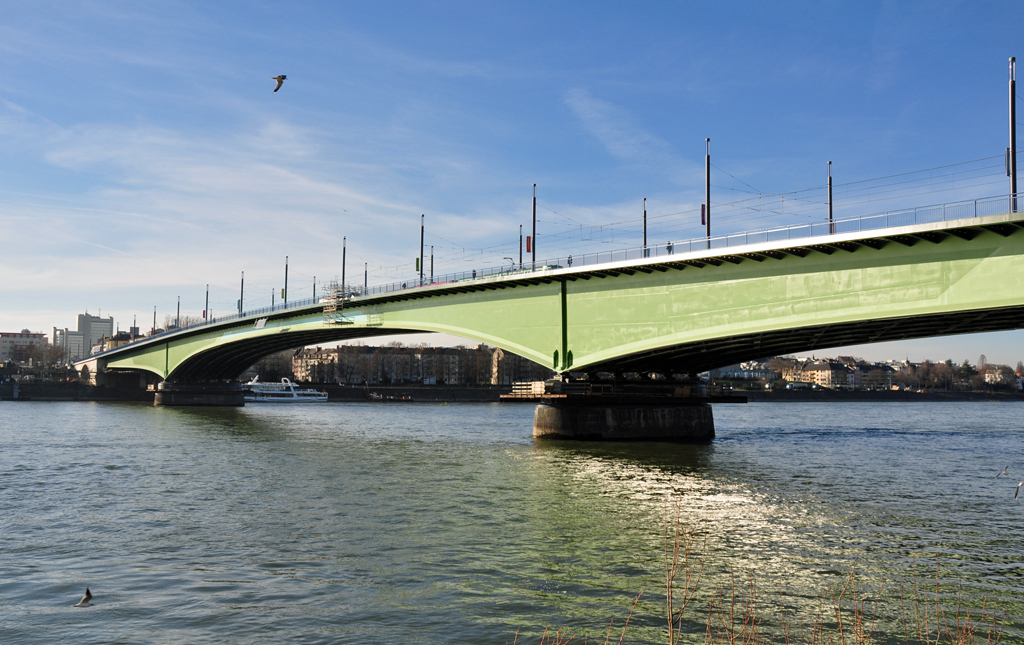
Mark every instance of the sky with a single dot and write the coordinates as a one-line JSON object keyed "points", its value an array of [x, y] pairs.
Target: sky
{"points": [[144, 154]]}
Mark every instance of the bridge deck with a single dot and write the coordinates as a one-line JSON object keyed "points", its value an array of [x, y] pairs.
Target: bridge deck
{"points": [[759, 298]]}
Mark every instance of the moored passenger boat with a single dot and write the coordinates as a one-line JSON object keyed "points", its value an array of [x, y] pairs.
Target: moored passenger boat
{"points": [[283, 392]]}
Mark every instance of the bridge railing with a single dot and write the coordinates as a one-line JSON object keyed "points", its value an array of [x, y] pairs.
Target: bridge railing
{"points": [[877, 221], [296, 304], [888, 219]]}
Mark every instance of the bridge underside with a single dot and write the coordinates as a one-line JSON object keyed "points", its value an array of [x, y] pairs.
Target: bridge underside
{"points": [[226, 362], [715, 353]]}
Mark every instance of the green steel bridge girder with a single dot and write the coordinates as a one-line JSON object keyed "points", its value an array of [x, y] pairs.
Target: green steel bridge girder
{"points": [[674, 315]]}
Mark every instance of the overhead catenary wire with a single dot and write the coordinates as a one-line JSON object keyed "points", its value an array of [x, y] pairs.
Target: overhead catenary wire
{"points": [[737, 179], [754, 209]]}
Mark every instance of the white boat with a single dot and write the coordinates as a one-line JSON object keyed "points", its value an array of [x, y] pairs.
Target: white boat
{"points": [[283, 392]]}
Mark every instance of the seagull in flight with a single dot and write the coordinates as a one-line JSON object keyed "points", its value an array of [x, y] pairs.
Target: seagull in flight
{"points": [[281, 78], [1006, 471], [84, 602], [1017, 492]]}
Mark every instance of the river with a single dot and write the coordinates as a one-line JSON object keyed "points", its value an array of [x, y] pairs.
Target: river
{"points": [[431, 523]]}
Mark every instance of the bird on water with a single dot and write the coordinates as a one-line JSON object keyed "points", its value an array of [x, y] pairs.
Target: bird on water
{"points": [[1006, 471], [84, 602], [281, 78]]}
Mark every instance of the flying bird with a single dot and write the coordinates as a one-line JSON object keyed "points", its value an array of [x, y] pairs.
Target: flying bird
{"points": [[1017, 492], [281, 78], [84, 602], [1006, 471]]}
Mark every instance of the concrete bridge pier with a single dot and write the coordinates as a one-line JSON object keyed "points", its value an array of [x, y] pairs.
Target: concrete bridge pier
{"points": [[624, 419], [225, 394]]}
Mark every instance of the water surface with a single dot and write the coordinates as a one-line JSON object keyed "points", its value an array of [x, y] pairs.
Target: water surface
{"points": [[378, 523]]}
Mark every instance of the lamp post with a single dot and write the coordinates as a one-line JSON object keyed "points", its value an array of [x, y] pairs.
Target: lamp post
{"points": [[831, 225], [707, 189], [284, 294], [645, 228], [1012, 154], [520, 247], [533, 240]]}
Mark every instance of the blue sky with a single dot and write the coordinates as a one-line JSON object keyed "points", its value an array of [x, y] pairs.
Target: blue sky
{"points": [[145, 154]]}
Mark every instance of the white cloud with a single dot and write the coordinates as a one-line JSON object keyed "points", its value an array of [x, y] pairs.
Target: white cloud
{"points": [[158, 210], [616, 130]]}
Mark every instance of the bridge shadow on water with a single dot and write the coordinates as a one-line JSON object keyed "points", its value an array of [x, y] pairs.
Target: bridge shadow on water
{"points": [[228, 422]]}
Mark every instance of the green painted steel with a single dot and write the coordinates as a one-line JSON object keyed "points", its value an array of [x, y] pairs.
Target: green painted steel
{"points": [[671, 314]]}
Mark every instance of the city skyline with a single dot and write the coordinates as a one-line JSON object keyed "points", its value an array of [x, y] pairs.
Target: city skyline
{"points": [[146, 154]]}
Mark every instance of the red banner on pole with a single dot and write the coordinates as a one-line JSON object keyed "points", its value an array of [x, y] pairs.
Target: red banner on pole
{"points": [[703, 222], [528, 240]]}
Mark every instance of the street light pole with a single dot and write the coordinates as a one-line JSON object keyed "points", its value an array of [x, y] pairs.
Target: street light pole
{"points": [[344, 250], [241, 296], [831, 226], [707, 189], [206, 308], [1013, 135], [421, 248], [533, 240], [520, 247], [645, 228], [285, 293]]}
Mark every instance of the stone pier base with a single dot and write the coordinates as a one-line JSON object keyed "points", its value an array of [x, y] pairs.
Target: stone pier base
{"points": [[219, 394], [638, 421]]}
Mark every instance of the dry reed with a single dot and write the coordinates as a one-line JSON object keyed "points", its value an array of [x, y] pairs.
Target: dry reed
{"points": [[845, 615]]}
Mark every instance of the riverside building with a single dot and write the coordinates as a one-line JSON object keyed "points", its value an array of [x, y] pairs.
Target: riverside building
{"points": [[14, 345]]}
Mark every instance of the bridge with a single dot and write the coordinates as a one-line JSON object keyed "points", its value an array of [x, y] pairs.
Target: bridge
{"points": [[672, 309]]}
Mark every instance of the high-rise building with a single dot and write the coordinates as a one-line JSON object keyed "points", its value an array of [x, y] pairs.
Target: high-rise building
{"points": [[72, 342], [95, 329], [91, 331]]}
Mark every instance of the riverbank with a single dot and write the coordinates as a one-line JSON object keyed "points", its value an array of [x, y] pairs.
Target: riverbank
{"points": [[336, 393], [417, 393], [71, 392], [881, 396], [487, 394]]}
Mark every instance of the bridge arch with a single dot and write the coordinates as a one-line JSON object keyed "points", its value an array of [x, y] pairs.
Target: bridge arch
{"points": [[681, 313]]}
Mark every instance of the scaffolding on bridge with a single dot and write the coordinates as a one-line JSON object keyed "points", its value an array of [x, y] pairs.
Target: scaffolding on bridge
{"points": [[334, 305]]}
